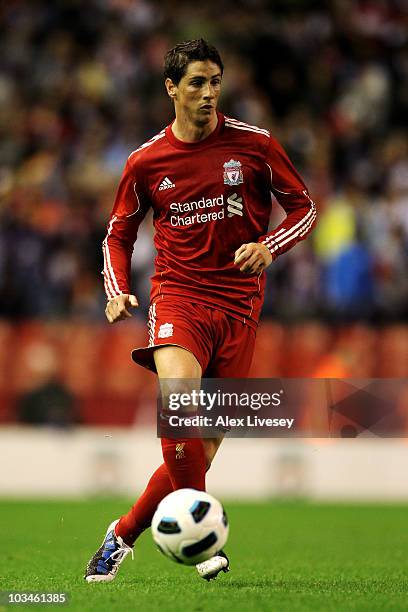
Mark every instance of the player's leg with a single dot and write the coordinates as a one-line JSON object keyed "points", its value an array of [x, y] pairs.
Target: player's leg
{"points": [[139, 517], [180, 373], [232, 360], [210, 569], [122, 534], [175, 363]]}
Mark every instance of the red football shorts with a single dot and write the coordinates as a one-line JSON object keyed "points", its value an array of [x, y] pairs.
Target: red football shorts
{"points": [[222, 345]]}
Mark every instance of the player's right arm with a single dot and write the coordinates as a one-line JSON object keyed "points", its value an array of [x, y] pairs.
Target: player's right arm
{"points": [[128, 212]]}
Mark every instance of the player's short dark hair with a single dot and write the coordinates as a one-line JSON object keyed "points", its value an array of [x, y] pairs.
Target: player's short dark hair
{"points": [[177, 59]]}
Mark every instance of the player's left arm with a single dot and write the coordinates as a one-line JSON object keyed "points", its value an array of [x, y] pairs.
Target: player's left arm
{"points": [[292, 194]]}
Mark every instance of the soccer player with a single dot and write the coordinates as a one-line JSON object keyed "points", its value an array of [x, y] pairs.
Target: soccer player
{"points": [[208, 179]]}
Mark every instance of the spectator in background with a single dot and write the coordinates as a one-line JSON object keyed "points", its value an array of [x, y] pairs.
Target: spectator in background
{"points": [[74, 80], [50, 404], [48, 401], [349, 282]]}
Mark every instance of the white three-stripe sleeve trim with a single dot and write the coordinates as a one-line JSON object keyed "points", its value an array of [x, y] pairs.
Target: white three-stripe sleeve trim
{"points": [[148, 143], [236, 123], [300, 229], [113, 283], [282, 229], [110, 291], [108, 285], [274, 246], [277, 239], [246, 129], [301, 232]]}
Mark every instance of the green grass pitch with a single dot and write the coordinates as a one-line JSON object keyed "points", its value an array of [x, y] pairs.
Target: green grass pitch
{"points": [[284, 556]]}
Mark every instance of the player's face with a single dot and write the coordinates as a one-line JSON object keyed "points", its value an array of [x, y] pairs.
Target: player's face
{"points": [[198, 91]]}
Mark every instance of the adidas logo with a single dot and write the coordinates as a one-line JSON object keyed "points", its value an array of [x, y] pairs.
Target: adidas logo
{"points": [[235, 205], [166, 184]]}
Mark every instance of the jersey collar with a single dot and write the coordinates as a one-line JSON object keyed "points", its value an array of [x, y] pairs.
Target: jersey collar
{"points": [[194, 146]]}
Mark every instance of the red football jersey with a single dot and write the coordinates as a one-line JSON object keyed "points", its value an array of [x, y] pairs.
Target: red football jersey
{"points": [[208, 198]]}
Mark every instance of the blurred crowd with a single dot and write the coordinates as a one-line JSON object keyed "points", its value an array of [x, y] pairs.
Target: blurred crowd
{"points": [[81, 86], [71, 371]]}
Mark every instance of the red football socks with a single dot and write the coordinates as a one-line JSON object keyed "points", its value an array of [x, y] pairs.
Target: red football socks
{"points": [[185, 461], [140, 515]]}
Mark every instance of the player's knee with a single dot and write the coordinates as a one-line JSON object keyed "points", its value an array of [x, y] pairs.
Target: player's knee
{"points": [[179, 394], [177, 363]]}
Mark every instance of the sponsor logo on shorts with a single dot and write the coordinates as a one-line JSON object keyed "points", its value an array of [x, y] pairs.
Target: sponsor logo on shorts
{"points": [[165, 330]]}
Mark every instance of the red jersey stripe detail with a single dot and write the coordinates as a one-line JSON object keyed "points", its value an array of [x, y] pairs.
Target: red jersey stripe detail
{"points": [[138, 203]]}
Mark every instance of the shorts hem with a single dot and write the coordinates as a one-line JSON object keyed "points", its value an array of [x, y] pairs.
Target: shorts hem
{"points": [[143, 355]]}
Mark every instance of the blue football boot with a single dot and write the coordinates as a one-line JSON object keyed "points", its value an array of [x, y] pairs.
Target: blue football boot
{"points": [[105, 563]]}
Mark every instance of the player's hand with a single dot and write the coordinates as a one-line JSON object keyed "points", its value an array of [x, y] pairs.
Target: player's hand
{"points": [[117, 308], [252, 258]]}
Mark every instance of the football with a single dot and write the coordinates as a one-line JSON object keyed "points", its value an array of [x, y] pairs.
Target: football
{"points": [[190, 526]]}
